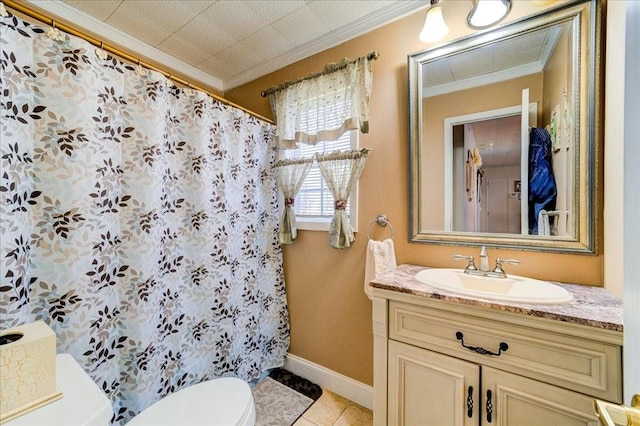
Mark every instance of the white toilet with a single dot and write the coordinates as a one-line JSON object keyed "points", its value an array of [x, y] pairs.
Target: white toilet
{"points": [[225, 401]]}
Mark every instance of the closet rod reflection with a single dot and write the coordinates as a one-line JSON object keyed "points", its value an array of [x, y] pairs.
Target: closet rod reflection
{"points": [[25, 10]]}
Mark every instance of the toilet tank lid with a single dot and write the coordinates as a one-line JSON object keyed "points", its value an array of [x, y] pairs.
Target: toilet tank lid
{"points": [[82, 402], [223, 401]]}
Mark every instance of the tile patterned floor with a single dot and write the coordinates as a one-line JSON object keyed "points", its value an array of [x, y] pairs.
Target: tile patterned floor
{"points": [[333, 410]]}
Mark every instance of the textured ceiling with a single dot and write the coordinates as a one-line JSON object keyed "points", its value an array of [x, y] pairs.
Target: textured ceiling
{"points": [[236, 41], [513, 57]]}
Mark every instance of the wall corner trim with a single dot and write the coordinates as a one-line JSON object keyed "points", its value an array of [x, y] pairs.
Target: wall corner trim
{"points": [[340, 384]]}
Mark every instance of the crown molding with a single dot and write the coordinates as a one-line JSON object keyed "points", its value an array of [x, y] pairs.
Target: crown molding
{"points": [[377, 19], [110, 34], [113, 35], [483, 80]]}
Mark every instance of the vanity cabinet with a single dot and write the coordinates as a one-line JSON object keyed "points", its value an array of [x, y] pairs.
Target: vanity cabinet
{"points": [[443, 363], [427, 388]]}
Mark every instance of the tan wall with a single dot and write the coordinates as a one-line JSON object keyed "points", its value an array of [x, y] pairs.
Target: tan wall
{"points": [[557, 76], [437, 108], [330, 315]]}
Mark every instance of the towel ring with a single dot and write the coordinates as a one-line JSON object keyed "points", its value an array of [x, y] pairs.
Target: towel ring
{"points": [[381, 220]]}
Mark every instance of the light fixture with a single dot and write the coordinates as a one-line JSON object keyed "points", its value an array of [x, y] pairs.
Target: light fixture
{"points": [[434, 28], [486, 13]]}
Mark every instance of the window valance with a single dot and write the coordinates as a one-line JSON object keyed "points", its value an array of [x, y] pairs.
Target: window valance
{"points": [[324, 106]]}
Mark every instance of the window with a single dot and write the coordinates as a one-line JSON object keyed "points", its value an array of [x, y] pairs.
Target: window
{"points": [[314, 202]]}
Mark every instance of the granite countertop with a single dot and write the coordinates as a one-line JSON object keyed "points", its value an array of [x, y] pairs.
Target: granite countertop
{"points": [[592, 306]]}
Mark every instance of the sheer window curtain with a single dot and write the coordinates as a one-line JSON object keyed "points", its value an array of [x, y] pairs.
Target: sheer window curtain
{"points": [[290, 175], [341, 171], [318, 108]]}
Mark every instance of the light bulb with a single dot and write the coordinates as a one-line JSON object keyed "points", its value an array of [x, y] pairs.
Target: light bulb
{"points": [[434, 28], [488, 12]]}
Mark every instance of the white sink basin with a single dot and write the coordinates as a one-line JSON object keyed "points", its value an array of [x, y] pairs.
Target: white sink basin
{"points": [[510, 289]]}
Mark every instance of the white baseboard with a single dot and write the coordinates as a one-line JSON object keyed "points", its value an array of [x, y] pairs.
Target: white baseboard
{"points": [[338, 383]]}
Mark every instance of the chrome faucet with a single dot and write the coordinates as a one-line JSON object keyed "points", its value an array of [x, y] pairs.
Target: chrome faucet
{"points": [[471, 266], [484, 259], [498, 271], [484, 269]]}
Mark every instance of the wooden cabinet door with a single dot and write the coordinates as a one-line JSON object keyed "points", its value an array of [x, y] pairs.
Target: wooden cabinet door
{"points": [[429, 389], [509, 400]]}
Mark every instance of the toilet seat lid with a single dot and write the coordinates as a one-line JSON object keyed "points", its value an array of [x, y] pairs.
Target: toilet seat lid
{"points": [[224, 401]]}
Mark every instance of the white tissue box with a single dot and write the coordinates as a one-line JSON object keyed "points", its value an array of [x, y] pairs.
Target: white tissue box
{"points": [[27, 369]]}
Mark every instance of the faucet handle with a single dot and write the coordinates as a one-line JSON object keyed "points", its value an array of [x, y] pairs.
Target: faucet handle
{"points": [[498, 269], [471, 266]]}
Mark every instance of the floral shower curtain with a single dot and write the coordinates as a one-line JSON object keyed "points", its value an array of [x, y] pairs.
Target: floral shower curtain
{"points": [[139, 220]]}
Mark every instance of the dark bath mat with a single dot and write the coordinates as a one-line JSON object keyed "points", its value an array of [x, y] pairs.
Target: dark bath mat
{"points": [[296, 383]]}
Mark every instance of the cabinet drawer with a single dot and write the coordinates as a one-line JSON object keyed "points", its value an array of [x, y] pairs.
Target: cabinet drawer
{"points": [[583, 365]]}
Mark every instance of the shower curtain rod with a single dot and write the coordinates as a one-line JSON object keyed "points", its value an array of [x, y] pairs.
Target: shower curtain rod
{"points": [[328, 69], [19, 7]]}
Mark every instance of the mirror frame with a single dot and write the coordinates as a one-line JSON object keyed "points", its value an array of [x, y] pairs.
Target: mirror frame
{"points": [[589, 130]]}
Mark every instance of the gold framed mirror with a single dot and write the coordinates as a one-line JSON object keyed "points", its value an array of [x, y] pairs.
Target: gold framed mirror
{"points": [[506, 135]]}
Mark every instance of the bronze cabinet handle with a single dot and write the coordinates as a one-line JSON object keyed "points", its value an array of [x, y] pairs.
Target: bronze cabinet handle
{"points": [[503, 347], [489, 407]]}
